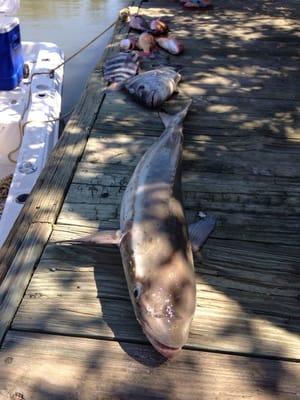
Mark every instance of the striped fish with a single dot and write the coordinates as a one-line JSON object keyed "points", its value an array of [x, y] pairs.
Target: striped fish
{"points": [[121, 67]]}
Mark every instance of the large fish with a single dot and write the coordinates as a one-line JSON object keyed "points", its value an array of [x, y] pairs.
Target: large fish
{"points": [[156, 244], [153, 87]]}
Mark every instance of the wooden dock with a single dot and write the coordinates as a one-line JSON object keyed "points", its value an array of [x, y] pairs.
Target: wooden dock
{"points": [[66, 323]]}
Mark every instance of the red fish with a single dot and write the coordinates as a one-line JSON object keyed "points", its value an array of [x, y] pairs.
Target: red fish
{"points": [[159, 27], [146, 43], [170, 44], [138, 23]]}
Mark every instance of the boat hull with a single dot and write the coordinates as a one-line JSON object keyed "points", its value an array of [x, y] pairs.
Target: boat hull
{"points": [[29, 126]]}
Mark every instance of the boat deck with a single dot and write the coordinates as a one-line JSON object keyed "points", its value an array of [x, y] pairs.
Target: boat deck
{"points": [[67, 324]]}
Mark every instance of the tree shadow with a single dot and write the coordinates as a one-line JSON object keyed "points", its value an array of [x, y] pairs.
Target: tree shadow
{"points": [[241, 164]]}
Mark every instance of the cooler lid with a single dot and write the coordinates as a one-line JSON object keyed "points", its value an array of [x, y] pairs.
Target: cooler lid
{"points": [[9, 7], [7, 24]]}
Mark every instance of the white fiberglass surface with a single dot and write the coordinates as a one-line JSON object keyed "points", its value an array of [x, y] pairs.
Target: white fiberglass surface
{"points": [[36, 99], [39, 111]]}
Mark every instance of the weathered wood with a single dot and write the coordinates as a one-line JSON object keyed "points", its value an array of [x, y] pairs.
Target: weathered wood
{"points": [[196, 177], [231, 225], [232, 30], [82, 369], [230, 11], [82, 291], [16, 280], [248, 194], [246, 121]]}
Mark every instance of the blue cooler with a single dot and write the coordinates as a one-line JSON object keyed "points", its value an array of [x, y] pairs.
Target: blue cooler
{"points": [[11, 57]]}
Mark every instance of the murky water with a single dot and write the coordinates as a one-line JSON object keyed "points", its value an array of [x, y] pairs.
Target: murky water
{"points": [[71, 24]]}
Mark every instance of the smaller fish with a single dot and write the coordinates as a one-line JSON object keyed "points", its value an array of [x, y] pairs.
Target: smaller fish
{"points": [[138, 23], [121, 67], [128, 44], [170, 44], [146, 42], [159, 27], [154, 87]]}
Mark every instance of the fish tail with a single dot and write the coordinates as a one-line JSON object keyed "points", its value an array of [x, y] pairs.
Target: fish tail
{"points": [[177, 118]]}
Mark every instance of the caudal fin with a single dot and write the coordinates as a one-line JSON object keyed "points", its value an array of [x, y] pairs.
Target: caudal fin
{"points": [[175, 119]]}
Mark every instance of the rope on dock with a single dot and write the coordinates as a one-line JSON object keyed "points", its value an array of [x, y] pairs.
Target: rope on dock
{"points": [[123, 15]]}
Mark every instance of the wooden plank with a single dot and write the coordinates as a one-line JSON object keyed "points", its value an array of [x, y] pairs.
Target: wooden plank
{"points": [[47, 367], [16, 280], [115, 175], [242, 225], [238, 31], [252, 206], [249, 119], [250, 193], [226, 10], [236, 73], [235, 36], [246, 296], [119, 148], [209, 196]]}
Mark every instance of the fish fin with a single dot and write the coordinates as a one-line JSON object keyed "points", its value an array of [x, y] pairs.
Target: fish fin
{"points": [[175, 119], [199, 231], [108, 237]]}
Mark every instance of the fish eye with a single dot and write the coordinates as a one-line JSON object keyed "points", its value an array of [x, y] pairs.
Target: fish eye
{"points": [[137, 291]]}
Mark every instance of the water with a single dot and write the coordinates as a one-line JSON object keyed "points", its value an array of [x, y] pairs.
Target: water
{"points": [[71, 24]]}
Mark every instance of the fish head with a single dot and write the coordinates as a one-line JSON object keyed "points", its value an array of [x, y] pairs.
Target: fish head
{"points": [[164, 304], [154, 87], [144, 91]]}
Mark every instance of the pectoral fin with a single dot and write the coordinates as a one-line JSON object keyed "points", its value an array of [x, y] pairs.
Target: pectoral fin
{"points": [[95, 239], [199, 231]]}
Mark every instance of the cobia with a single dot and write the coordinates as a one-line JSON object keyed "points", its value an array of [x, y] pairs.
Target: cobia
{"points": [[156, 243]]}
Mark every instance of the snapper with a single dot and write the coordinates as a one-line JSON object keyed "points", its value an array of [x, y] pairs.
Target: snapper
{"points": [[146, 42], [159, 27], [138, 23], [170, 44]]}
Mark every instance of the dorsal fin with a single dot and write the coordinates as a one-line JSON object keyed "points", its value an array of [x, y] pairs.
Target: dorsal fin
{"points": [[177, 118]]}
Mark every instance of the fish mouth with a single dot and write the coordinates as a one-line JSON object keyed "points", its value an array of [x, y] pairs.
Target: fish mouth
{"points": [[167, 351]]}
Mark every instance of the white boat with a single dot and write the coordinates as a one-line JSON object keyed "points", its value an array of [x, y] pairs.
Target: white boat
{"points": [[29, 123]]}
